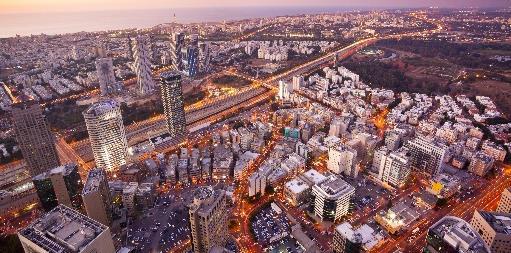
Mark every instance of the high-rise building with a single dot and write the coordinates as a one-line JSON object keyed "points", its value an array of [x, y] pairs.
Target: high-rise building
{"points": [[453, 235], [426, 155], [61, 185], [495, 229], [34, 137], [176, 45], [96, 197], [105, 71], [191, 60], [505, 202], [342, 159], [173, 104], [208, 219], [394, 168], [331, 198], [106, 134], [142, 64], [204, 57], [66, 230]]}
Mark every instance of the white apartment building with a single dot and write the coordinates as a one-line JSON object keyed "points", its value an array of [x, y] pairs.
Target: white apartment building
{"points": [[342, 159]]}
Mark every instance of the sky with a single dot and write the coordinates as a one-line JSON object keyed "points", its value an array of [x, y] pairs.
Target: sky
{"points": [[13, 6]]}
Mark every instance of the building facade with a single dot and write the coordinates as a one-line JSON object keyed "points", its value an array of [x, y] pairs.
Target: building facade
{"points": [[96, 197], [142, 65], [106, 134], [208, 219], [495, 229], [331, 198], [34, 137], [173, 104]]}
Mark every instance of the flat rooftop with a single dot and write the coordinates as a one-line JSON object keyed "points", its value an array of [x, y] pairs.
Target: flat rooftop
{"points": [[313, 177], [63, 230], [94, 179], [500, 222], [335, 187], [297, 186], [459, 234]]}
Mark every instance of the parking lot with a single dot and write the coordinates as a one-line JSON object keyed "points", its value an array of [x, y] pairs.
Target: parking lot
{"points": [[287, 244], [268, 224], [162, 227]]}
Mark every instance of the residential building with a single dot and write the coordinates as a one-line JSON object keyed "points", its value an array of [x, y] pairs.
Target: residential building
{"points": [[426, 156], [481, 164], [33, 134], [208, 219], [173, 103], [342, 159], [142, 65], [96, 197], [395, 168], [505, 201], [106, 134], [495, 230]]}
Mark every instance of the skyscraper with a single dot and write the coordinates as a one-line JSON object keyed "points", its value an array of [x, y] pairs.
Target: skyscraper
{"points": [[34, 137], [66, 230], [208, 219], [173, 104], [204, 57], [176, 45], [191, 61], [106, 134], [61, 185], [105, 71], [96, 197], [142, 64]]}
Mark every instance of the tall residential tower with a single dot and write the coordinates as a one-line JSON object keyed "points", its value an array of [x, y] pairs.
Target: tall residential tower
{"points": [[34, 137], [208, 219], [142, 64], [106, 134], [173, 104]]}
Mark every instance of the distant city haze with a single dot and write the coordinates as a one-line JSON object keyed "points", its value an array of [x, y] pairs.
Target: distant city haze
{"points": [[26, 17], [81, 5]]}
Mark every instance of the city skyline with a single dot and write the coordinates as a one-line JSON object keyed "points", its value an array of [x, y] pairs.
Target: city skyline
{"points": [[255, 129], [9, 6]]}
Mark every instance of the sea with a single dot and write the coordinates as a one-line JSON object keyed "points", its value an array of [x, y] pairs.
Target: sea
{"points": [[24, 24]]}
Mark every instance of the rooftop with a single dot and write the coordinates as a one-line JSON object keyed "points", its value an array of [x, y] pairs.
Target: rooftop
{"points": [[335, 187], [94, 178], [297, 186], [63, 230], [500, 222], [101, 107], [313, 177], [459, 234]]}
